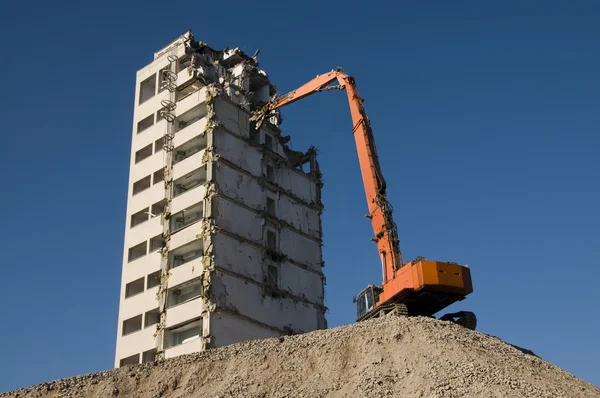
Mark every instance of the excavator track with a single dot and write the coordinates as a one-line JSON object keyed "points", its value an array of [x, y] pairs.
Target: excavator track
{"points": [[396, 309], [468, 320], [465, 319]]}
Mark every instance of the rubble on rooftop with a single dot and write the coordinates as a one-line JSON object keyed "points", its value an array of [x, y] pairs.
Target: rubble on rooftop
{"points": [[237, 75]]}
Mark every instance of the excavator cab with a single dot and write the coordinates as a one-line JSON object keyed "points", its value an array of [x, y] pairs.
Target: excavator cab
{"points": [[365, 302]]}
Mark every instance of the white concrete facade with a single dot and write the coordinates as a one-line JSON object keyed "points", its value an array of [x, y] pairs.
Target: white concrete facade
{"points": [[223, 232]]}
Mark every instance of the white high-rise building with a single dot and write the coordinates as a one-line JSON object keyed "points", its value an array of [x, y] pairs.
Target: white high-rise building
{"points": [[223, 230]]}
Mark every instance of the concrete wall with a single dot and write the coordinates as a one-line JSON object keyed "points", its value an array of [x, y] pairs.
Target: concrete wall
{"points": [[300, 248], [247, 190], [234, 295], [234, 150], [143, 340], [251, 225], [227, 329], [247, 260], [239, 211]]}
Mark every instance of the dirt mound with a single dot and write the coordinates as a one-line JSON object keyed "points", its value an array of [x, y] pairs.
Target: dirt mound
{"points": [[399, 357]]}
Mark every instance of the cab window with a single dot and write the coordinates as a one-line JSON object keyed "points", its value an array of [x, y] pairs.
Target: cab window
{"points": [[361, 307]]}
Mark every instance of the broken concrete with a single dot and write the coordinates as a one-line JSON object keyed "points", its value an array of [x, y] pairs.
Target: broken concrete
{"points": [[389, 357]]}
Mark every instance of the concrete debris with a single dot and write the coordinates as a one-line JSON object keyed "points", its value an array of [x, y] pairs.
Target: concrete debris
{"points": [[237, 75], [392, 356]]}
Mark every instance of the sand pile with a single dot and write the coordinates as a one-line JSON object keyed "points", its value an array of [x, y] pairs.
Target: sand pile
{"points": [[389, 357]]}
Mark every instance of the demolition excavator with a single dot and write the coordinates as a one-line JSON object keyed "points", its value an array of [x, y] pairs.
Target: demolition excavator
{"points": [[415, 288]]}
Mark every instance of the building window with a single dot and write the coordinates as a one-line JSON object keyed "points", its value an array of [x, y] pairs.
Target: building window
{"points": [[132, 324], [147, 89], [158, 176], [271, 207], [162, 78], [151, 317], [185, 92], [270, 174], [186, 217], [186, 253], [158, 144], [135, 287], [132, 360], [184, 334], [189, 181], [143, 153], [269, 142], [141, 185], [272, 276], [158, 208], [271, 240], [149, 356], [153, 280], [254, 133], [157, 243], [145, 123], [184, 293], [139, 217], [137, 251], [185, 61], [193, 115], [160, 114], [189, 148]]}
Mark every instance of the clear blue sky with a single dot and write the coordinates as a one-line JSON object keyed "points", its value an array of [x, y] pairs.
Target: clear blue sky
{"points": [[486, 119]]}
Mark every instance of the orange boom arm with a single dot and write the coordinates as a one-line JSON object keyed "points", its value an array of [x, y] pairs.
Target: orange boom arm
{"points": [[380, 210]]}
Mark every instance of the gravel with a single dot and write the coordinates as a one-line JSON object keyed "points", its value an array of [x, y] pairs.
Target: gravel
{"points": [[387, 357]]}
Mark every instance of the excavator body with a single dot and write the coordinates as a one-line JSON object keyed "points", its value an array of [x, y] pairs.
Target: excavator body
{"points": [[423, 288], [420, 287]]}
